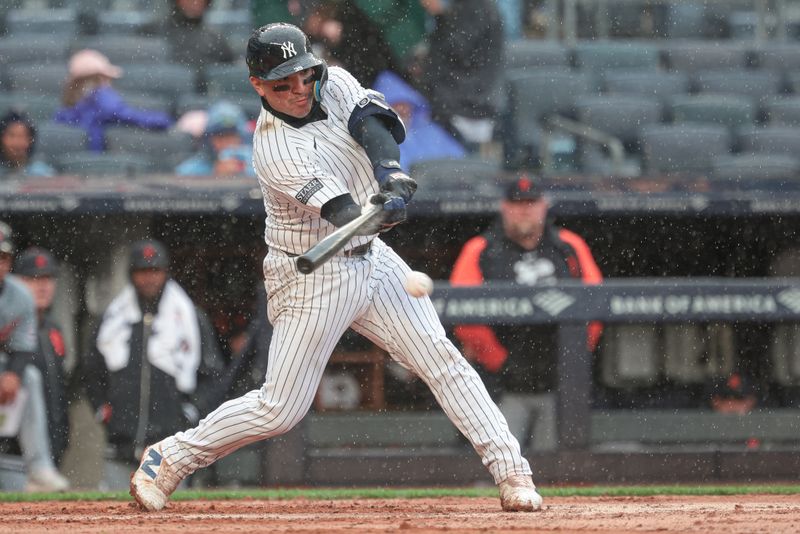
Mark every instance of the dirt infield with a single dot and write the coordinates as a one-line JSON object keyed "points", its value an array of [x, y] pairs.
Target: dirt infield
{"points": [[730, 514]]}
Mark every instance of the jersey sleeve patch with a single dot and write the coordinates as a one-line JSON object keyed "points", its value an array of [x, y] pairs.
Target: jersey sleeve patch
{"points": [[308, 190]]}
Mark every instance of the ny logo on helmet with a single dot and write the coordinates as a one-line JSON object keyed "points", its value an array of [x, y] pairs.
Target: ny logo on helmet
{"points": [[288, 50]]}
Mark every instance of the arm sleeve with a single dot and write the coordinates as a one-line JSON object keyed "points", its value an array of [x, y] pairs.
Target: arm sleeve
{"points": [[340, 210], [479, 341], [371, 133], [590, 274]]}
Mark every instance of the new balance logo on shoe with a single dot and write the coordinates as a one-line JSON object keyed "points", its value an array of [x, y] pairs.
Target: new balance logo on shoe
{"points": [[153, 461]]}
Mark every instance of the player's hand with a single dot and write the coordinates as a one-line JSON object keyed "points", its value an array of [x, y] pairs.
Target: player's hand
{"points": [[9, 386], [394, 210], [394, 181]]}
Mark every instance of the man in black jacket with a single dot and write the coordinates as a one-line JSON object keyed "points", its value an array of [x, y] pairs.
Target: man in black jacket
{"points": [[154, 365], [38, 270]]}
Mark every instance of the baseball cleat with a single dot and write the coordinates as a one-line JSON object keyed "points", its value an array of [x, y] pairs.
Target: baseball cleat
{"points": [[46, 480], [518, 494], [154, 481]]}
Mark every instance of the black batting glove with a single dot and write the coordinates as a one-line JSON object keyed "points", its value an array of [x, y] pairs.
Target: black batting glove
{"points": [[394, 181], [394, 210]]}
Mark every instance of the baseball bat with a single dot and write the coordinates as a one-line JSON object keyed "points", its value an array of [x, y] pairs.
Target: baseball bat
{"points": [[325, 249]]}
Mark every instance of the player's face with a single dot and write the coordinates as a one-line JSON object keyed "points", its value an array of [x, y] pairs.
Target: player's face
{"points": [[43, 289], [149, 282], [16, 142], [524, 219], [293, 95]]}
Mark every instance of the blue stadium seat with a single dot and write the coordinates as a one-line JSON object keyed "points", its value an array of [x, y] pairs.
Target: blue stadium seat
{"points": [[168, 80], [127, 49], [56, 23], [123, 22], [164, 149], [600, 57], [535, 54], [54, 139], [675, 148], [783, 110], [104, 164], [694, 56], [659, 84], [41, 108], [31, 48], [457, 179], [755, 170], [619, 115], [731, 111], [37, 79], [756, 84], [770, 140]]}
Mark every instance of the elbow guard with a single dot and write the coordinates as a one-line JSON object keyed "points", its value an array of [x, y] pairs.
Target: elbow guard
{"points": [[375, 105]]}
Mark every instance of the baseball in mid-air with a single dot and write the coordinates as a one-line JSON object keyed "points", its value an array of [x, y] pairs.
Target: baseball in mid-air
{"points": [[418, 284]]}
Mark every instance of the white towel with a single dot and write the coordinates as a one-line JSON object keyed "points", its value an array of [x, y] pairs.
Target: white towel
{"points": [[174, 343]]}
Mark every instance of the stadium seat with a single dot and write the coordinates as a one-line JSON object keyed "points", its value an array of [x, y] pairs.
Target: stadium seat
{"points": [[535, 54], [168, 80], [783, 110], [104, 164], [151, 101], [128, 49], [668, 148], [756, 170], [190, 101], [755, 84], [659, 84], [457, 179], [37, 78], [54, 139], [777, 56], [41, 108], [535, 95], [55, 23], [164, 149], [619, 115], [729, 110], [224, 80], [31, 48], [229, 21], [600, 57], [694, 56], [770, 140], [123, 22]]}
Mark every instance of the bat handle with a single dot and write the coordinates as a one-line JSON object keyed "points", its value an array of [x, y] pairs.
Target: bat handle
{"points": [[304, 265]]}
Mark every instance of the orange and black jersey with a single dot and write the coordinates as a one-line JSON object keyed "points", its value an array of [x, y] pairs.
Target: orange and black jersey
{"points": [[524, 354]]}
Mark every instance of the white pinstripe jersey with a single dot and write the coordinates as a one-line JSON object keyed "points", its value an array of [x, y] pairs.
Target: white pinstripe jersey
{"points": [[300, 169]]}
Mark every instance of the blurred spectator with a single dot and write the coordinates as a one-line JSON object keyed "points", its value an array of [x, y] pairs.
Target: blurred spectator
{"points": [[17, 145], [402, 24], [192, 42], [735, 394], [351, 39], [90, 102], [17, 374], [268, 11], [462, 66], [154, 363], [519, 362], [225, 149], [424, 138], [38, 270]]}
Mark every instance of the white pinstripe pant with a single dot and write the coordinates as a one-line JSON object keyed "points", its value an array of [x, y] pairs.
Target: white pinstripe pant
{"points": [[309, 314]]}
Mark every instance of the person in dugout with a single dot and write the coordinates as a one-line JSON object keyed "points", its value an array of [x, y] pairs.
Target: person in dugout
{"points": [[518, 363]]}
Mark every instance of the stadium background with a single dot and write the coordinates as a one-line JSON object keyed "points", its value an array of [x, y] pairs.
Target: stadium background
{"points": [[697, 213]]}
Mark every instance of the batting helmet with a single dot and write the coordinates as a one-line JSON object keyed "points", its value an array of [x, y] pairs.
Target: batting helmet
{"points": [[278, 50], [6, 245]]}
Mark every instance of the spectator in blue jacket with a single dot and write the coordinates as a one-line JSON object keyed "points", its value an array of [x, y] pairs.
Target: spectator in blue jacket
{"points": [[425, 139], [17, 142], [90, 102], [225, 150]]}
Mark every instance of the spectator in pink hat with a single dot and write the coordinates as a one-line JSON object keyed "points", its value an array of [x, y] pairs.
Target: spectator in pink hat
{"points": [[90, 102]]}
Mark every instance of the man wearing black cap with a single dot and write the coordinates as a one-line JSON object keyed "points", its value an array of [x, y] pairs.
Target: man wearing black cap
{"points": [[152, 366], [17, 348], [38, 270], [522, 247]]}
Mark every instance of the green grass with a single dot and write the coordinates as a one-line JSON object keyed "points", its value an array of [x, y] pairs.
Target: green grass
{"points": [[410, 493]]}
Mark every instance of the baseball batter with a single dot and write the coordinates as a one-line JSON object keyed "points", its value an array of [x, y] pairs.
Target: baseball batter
{"points": [[324, 147]]}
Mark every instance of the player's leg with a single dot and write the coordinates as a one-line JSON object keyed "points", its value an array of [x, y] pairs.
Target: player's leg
{"points": [[308, 319], [410, 330]]}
